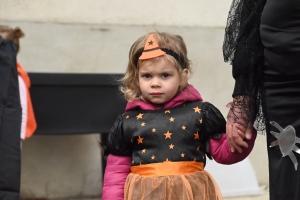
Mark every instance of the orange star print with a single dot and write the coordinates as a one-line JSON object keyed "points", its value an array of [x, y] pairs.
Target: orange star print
{"points": [[140, 140], [168, 135], [196, 136], [197, 109], [139, 116]]}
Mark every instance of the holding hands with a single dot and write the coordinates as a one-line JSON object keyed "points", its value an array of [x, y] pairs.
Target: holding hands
{"points": [[239, 127]]}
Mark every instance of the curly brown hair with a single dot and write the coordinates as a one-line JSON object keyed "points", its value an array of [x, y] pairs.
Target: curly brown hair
{"points": [[130, 82], [8, 33]]}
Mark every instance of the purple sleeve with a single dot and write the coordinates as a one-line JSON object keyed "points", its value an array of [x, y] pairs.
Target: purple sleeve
{"points": [[116, 171], [220, 150]]}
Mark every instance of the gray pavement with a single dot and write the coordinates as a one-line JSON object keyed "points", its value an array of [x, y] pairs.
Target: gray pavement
{"points": [[263, 196]]}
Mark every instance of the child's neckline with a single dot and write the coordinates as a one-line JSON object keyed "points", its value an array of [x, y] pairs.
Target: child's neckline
{"points": [[165, 109]]}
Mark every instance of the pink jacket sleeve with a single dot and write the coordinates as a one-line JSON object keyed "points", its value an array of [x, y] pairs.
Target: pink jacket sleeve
{"points": [[116, 171], [220, 150]]}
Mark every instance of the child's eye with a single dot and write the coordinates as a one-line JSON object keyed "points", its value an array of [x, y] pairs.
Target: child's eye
{"points": [[165, 75], [146, 76]]}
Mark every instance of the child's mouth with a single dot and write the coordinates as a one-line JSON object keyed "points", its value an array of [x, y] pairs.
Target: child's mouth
{"points": [[156, 94]]}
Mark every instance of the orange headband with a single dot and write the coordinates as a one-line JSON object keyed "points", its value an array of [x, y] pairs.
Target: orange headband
{"points": [[152, 50]]}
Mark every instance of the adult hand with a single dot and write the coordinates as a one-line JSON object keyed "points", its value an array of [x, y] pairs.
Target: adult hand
{"points": [[238, 128]]}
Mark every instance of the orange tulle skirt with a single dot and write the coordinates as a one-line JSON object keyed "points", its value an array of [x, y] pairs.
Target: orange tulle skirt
{"points": [[171, 181]]}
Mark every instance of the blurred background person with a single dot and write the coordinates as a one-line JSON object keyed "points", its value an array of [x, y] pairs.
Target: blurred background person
{"points": [[28, 124], [10, 120]]}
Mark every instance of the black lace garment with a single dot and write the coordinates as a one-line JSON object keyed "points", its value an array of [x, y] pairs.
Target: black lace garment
{"points": [[243, 49]]}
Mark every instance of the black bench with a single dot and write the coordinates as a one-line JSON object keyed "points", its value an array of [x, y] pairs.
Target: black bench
{"points": [[76, 103]]}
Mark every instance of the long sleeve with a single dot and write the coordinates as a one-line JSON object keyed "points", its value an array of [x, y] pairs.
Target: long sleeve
{"points": [[118, 142], [219, 149], [118, 162], [243, 48], [214, 125], [117, 169], [217, 146], [242, 45]]}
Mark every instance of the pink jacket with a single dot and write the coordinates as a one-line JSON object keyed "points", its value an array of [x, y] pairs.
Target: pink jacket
{"points": [[118, 167]]}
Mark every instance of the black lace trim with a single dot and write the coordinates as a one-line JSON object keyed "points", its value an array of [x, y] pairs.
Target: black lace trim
{"points": [[242, 47]]}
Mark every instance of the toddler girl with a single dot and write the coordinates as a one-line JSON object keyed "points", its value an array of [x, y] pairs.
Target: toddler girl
{"points": [[158, 147]]}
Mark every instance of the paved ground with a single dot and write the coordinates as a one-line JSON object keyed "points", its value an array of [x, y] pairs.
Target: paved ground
{"points": [[263, 196]]}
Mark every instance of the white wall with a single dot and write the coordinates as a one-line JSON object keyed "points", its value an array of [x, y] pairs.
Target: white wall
{"points": [[208, 13], [95, 36]]}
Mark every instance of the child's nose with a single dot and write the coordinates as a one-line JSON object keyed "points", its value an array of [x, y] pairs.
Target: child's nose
{"points": [[155, 82]]}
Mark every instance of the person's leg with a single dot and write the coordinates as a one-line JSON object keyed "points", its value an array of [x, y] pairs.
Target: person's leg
{"points": [[283, 105]]}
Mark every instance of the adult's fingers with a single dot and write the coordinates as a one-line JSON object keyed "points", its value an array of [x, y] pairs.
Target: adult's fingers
{"points": [[235, 139], [229, 137], [248, 132], [238, 137], [241, 129]]}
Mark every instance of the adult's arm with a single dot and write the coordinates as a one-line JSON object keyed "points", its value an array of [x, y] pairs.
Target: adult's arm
{"points": [[243, 49]]}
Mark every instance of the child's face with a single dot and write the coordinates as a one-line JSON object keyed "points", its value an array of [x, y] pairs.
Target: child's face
{"points": [[159, 81]]}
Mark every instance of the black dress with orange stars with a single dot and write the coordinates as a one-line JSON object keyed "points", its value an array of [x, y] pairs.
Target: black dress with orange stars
{"points": [[175, 134], [161, 140]]}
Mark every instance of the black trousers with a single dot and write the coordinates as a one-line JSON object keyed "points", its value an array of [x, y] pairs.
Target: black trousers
{"points": [[10, 123], [283, 107]]}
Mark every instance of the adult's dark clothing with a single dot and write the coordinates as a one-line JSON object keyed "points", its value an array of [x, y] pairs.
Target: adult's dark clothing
{"points": [[10, 123], [280, 35], [268, 37]]}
